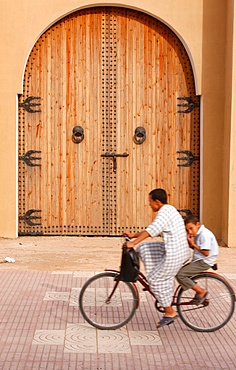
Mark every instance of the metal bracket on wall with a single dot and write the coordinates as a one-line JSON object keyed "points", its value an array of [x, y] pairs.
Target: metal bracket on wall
{"points": [[27, 158], [190, 158], [28, 217], [190, 105], [27, 104], [185, 212]]}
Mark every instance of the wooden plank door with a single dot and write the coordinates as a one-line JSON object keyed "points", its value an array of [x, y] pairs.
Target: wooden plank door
{"points": [[65, 71], [152, 78], [105, 72]]}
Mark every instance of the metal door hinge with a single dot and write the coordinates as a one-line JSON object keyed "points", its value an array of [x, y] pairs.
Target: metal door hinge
{"points": [[190, 105], [27, 104], [185, 212], [190, 158], [27, 158], [28, 217]]}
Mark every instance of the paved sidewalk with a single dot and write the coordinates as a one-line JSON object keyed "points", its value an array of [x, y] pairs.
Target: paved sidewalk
{"points": [[41, 328]]}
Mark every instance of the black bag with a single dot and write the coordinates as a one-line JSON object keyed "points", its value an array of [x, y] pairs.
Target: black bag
{"points": [[129, 265]]}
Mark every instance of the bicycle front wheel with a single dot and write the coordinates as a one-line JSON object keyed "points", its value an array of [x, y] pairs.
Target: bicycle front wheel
{"points": [[107, 303], [217, 309]]}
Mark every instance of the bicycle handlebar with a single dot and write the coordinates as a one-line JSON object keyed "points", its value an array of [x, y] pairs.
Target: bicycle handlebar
{"points": [[127, 239]]}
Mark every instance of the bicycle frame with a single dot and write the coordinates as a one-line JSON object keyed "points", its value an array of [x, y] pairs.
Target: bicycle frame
{"points": [[143, 281]]}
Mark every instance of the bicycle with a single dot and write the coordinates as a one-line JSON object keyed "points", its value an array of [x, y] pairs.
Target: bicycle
{"points": [[108, 303]]}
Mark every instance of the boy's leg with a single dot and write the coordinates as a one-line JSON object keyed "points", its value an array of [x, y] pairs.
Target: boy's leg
{"points": [[184, 275]]}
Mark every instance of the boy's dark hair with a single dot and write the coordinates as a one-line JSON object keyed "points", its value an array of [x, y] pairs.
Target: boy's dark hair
{"points": [[159, 194], [191, 219]]}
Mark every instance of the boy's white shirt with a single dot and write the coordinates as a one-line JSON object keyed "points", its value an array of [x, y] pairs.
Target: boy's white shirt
{"points": [[206, 240]]}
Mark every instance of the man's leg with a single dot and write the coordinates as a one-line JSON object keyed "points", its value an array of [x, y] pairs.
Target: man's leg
{"points": [[183, 277], [164, 292], [151, 254], [170, 312]]}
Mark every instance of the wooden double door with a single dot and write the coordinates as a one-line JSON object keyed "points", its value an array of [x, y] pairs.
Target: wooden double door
{"points": [[109, 112]]}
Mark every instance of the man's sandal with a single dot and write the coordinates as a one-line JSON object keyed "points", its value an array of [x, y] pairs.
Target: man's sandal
{"points": [[166, 320]]}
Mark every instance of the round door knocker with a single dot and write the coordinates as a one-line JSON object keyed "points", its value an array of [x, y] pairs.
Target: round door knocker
{"points": [[139, 135], [78, 134]]}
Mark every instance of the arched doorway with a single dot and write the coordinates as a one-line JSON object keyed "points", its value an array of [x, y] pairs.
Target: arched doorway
{"points": [[109, 112]]}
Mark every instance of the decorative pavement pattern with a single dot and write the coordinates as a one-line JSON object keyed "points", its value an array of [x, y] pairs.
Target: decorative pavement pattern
{"points": [[41, 328], [83, 338]]}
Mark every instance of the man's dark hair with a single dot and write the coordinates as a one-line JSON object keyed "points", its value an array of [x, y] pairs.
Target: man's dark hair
{"points": [[159, 194], [191, 220]]}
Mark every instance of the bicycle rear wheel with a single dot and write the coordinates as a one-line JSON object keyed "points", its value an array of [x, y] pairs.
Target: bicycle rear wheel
{"points": [[105, 310], [217, 309]]}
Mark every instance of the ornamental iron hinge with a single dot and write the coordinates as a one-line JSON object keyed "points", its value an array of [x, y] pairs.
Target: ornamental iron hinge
{"points": [[27, 158], [28, 217], [185, 213], [190, 158], [27, 104], [190, 105]]}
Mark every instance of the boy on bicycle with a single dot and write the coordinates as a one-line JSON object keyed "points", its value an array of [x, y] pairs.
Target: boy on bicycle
{"points": [[205, 247]]}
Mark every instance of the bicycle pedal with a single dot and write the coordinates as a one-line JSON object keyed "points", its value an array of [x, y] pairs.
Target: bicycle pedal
{"points": [[145, 289]]}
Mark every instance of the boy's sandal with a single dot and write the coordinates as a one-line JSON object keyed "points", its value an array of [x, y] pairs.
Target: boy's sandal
{"points": [[201, 300], [166, 320], [197, 300]]}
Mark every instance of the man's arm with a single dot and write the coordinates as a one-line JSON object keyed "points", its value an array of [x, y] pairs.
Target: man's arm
{"points": [[139, 238], [132, 235]]}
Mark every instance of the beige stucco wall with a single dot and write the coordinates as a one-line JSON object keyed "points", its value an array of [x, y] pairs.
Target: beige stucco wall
{"points": [[213, 100], [196, 22], [232, 162], [229, 170]]}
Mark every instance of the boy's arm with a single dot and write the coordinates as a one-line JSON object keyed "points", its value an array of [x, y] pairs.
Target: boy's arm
{"points": [[192, 244]]}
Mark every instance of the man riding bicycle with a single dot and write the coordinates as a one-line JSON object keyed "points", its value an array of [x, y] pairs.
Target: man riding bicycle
{"points": [[162, 260]]}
